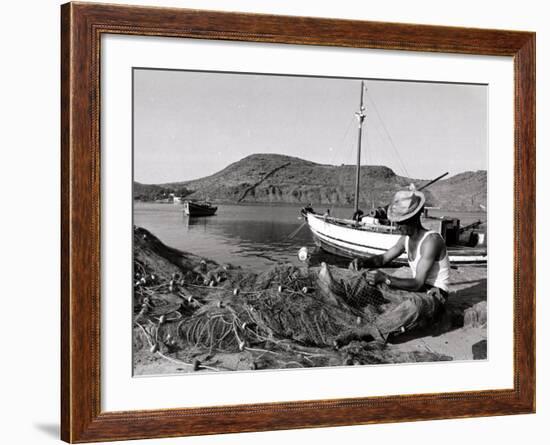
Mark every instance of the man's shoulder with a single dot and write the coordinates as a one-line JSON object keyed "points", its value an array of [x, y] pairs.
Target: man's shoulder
{"points": [[434, 236], [434, 242]]}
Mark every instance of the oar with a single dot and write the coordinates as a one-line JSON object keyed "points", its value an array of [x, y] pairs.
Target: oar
{"points": [[432, 181]]}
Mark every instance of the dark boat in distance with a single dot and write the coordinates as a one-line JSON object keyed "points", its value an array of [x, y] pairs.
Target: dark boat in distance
{"points": [[199, 208]]}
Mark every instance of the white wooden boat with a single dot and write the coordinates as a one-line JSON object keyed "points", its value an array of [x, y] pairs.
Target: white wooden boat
{"points": [[352, 239]]}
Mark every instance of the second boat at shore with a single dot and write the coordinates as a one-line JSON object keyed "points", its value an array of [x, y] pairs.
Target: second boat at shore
{"points": [[199, 208]]}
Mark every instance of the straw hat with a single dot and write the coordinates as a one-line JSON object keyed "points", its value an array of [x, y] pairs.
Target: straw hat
{"points": [[406, 204]]}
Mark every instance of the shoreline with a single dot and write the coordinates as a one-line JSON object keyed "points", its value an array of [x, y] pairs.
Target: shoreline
{"points": [[296, 204]]}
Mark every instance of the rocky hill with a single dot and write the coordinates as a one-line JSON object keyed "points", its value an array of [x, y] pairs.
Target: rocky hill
{"points": [[272, 178], [465, 191]]}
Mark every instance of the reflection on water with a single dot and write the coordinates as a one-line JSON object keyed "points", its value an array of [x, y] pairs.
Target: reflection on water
{"points": [[252, 236], [248, 235]]}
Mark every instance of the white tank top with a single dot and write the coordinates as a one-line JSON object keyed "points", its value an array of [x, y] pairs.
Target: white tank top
{"points": [[438, 275]]}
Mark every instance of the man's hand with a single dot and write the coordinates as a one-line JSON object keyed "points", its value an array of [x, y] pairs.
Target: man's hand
{"points": [[373, 277], [377, 277], [380, 277]]}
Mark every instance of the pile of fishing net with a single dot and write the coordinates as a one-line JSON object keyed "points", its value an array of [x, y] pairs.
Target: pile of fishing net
{"points": [[285, 316]]}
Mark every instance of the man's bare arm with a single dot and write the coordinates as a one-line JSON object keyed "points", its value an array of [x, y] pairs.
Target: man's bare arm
{"points": [[429, 252], [382, 259]]}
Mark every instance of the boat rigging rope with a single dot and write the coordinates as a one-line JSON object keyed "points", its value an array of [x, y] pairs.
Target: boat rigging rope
{"points": [[342, 143], [402, 164]]}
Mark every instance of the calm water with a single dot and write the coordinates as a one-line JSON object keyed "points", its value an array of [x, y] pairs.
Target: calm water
{"points": [[252, 236], [248, 235]]}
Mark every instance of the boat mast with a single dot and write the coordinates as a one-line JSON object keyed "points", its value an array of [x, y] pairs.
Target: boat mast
{"points": [[360, 118]]}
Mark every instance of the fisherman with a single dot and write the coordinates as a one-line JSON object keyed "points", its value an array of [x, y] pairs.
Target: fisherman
{"points": [[426, 292]]}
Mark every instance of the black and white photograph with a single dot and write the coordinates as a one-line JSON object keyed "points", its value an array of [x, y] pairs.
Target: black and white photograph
{"points": [[287, 222]]}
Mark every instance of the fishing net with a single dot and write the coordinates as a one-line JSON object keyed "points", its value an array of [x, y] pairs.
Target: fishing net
{"points": [[280, 315], [280, 306]]}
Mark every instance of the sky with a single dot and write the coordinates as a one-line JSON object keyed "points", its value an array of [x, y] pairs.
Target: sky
{"points": [[192, 124]]}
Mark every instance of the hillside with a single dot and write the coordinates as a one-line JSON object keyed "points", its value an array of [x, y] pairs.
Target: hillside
{"points": [[153, 192], [465, 191], [283, 179]]}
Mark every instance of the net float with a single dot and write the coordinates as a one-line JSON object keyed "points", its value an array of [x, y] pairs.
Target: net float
{"points": [[303, 254]]}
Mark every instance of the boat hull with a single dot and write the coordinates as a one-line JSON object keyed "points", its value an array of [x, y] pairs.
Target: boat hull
{"points": [[195, 209], [352, 242]]}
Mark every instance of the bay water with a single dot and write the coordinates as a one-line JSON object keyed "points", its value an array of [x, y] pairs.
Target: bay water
{"points": [[253, 236]]}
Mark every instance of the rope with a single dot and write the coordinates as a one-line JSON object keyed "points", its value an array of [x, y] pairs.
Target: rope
{"points": [[388, 135]]}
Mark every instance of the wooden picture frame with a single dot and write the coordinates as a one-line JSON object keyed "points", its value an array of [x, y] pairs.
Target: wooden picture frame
{"points": [[82, 26]]}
